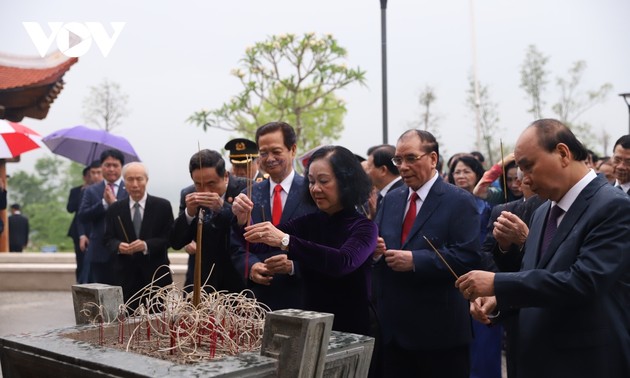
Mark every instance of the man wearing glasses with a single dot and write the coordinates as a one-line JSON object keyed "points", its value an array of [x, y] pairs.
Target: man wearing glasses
{"points": [[621, 163], [425, 322]]}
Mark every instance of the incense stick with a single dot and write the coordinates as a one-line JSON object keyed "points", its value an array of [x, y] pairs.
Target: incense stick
{"points": [[441, 258], [123, 229], [505, 194], [248, 192], [200, 216]]}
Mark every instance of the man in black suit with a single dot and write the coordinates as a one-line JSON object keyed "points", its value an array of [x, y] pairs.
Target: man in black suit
{"points": [[3, 202], [77, 229], [211, 184], [385, 177], [136, 233], [18, 229], [621, 163], [502, 250], [573, 290], [383, 173], [97, 198], [508, 227]]}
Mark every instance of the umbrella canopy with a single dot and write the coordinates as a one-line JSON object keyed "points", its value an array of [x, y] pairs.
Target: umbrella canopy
{"points": [[84, 145], [16, 139]]}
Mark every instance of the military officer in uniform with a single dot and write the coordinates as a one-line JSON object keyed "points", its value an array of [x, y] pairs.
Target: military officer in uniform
{"points": [[244, 159]]}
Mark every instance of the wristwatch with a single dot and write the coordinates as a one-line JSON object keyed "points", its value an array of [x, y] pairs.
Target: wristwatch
{"points": [[284, 243]]}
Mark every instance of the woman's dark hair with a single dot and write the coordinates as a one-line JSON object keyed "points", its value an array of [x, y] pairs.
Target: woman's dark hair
{"points": [[353, 183], [471, 162], [502, 182]]}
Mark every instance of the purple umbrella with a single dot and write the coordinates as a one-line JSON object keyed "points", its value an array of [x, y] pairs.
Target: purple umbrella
{"points": [[84, 145]]}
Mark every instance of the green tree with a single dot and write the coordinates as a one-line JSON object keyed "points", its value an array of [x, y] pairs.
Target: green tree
{"points": [[534, 79], [106, 105], [292, 79], [43, 196], [573, 102], [488, 118]]}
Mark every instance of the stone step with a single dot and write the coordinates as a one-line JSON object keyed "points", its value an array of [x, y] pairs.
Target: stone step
{"points": [[67, 257], [56, 271]]}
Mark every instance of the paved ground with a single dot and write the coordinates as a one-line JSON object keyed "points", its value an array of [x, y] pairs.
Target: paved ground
{"points": [[34, 311]]}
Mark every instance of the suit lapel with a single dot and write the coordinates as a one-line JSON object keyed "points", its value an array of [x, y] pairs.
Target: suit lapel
{"points": [[574, 214], [293, 199], [534, 239], [261, 202], [148, 215], [125, 216], [429, 205], [122, 192]]}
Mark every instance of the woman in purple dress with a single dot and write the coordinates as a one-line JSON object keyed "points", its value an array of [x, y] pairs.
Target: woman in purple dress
{"points": [[333, 245]]}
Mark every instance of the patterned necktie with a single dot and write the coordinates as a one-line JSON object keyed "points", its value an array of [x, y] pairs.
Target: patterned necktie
{"points": [[276, 213], [550, 228], [112, 186], [410, 217], [137, 219]]}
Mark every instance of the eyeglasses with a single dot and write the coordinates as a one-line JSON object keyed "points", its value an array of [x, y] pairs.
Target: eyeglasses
{"points": [[618, 160], [409, 159]]}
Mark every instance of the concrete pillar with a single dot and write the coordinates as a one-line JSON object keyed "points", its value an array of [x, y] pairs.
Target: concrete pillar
{"points": [[299, 340], [90, 297]]}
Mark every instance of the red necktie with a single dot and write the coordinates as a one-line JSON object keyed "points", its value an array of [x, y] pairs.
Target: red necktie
{"points": [[276, 213], [112, 186], [410, 217]]}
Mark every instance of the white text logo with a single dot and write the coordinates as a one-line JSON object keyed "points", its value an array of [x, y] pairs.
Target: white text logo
{"points": [[74, 39]]}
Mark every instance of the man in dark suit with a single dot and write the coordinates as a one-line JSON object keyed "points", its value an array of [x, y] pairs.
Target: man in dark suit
{"points": [[96, 200], [385, 177], [234, 186], [18, 229], [136, 233], [502, 251], [621, 163], [508, 226], [424, 321], [382, 171], [573, 291], [282, 196], [77, 230], [211, 180]]}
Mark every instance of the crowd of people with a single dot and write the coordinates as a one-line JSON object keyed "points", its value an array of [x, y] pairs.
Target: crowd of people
{"points": [[442, 265]]}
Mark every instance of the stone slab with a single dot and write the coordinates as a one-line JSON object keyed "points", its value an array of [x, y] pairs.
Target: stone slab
{"points": [[87, 298]]}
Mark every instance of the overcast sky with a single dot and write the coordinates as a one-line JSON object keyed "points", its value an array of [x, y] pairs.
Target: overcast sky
{"points": [[173, 58]]}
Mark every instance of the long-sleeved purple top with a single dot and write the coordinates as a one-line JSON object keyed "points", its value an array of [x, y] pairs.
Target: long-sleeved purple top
{"points": [[334, 253]]}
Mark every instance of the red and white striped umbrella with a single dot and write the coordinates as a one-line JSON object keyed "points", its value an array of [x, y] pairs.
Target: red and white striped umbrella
{"points": [[16, 139]]}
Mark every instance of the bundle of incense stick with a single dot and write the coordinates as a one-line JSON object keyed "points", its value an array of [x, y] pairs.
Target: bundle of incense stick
{"points": [[250, 184], [197, 272]]}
